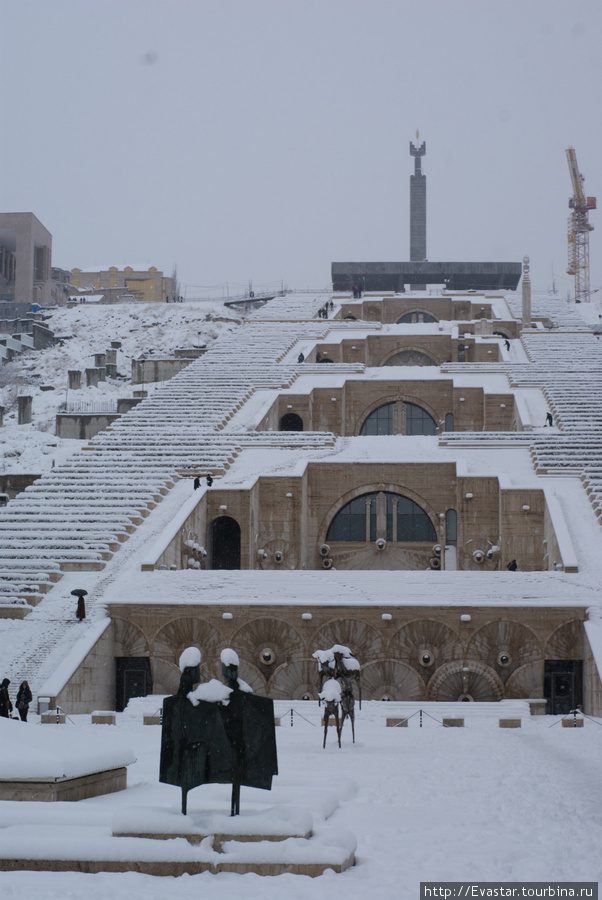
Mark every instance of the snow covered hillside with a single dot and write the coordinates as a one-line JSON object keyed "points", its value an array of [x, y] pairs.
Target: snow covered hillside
{"points": [[151, 329]]}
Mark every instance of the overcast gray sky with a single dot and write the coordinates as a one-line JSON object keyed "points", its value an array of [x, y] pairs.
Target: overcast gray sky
{"points": [[263, 139]]}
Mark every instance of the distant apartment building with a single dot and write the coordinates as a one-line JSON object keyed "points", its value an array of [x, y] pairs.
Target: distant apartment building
{"points": [[144, 285], [25, 261]]}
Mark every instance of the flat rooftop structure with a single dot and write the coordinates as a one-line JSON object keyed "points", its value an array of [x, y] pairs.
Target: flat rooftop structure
{"points": [[456, 276]]}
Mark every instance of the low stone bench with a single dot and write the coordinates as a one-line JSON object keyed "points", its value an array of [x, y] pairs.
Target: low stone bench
{"points": [[103, 718], [452, 723], [66, 789], [151, 720], [53, 718], [397, 723], [510, 723], [572, 723]]}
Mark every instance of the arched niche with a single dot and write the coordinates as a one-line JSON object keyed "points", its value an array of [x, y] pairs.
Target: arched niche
{"points": [[224, 543], [291, 422]]}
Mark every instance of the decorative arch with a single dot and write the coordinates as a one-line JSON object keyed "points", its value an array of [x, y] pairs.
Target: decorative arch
{"points": [[388, 679], [166, 676], [504, 646], [409, 357], [268, 643], [363, 640], [129, 639], [416, 315], [295, 681], [566, 642], [526, 681], [465, 681], [174, 637], [423, 638]]}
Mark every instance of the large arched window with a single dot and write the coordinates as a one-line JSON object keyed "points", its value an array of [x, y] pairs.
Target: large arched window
{"points": [[410, 358], [381, 514], [413, 317], [388, 419], [418, 421], [380, 421]]}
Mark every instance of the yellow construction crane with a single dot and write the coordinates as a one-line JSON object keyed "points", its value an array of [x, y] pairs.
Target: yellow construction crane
{"points": [[578, 231]]}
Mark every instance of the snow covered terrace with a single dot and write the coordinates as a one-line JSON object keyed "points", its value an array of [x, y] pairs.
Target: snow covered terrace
{"points": [[96, 518]]}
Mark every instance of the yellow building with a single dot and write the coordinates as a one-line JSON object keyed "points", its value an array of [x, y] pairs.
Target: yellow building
{"points": [[145, 285]]}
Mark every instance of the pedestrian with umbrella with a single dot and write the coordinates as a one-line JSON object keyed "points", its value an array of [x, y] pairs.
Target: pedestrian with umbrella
{"points": [[80, 612]]}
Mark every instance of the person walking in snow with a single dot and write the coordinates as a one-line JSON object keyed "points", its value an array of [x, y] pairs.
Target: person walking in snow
{"points": [[549, 419], [209, 480], [24, 698], [197, 483], [80, 612], [6, 706]]}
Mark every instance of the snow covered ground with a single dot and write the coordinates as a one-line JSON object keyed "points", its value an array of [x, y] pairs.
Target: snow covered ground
{"points": [[425, 804], [154, 329]]}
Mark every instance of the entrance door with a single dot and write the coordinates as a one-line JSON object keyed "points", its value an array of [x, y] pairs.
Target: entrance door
{"points": [[225, 543], [563, 685], [132, 679]]}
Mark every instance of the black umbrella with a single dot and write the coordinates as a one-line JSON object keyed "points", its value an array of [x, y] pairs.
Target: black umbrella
{"points": [[79, 592]]}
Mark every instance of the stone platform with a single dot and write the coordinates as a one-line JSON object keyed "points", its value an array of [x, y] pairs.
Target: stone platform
{"points": [[52, 789], [158, 841]]}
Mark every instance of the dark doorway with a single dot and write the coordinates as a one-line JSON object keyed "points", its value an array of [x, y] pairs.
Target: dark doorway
{"points": [[291, 422], [132, 679], [563, 685], [225, 543]]}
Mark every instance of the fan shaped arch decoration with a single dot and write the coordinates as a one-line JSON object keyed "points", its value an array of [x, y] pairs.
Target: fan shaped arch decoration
{"points": [[129, 639], [166, 676], [465, 681], [363, 640], [526, 681], [260, 636], [566, 642], [388, 679], [502, 640], [173, 638], [425, 636], [295, 681]]}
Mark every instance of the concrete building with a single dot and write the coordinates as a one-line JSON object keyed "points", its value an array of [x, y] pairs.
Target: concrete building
{"points": [[142, 284], [25, 261]]}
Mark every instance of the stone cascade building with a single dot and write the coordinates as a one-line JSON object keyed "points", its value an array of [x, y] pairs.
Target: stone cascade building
{"points": [[427, 516]]}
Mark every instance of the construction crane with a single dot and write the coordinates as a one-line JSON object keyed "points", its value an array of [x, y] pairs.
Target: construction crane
{"points": [[578, 231]]}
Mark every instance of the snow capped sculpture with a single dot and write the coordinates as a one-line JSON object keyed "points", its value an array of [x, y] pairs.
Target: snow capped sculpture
{"points": [[338, 668], [190, 657]]}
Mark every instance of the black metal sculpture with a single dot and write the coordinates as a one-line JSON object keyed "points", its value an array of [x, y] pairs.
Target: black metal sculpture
{"points": [[228, 739], [339, 664]]}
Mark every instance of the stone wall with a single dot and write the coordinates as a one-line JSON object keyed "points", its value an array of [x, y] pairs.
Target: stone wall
{"points": [[93, 684], [343, 410], [416, 653], [291, 516]]}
